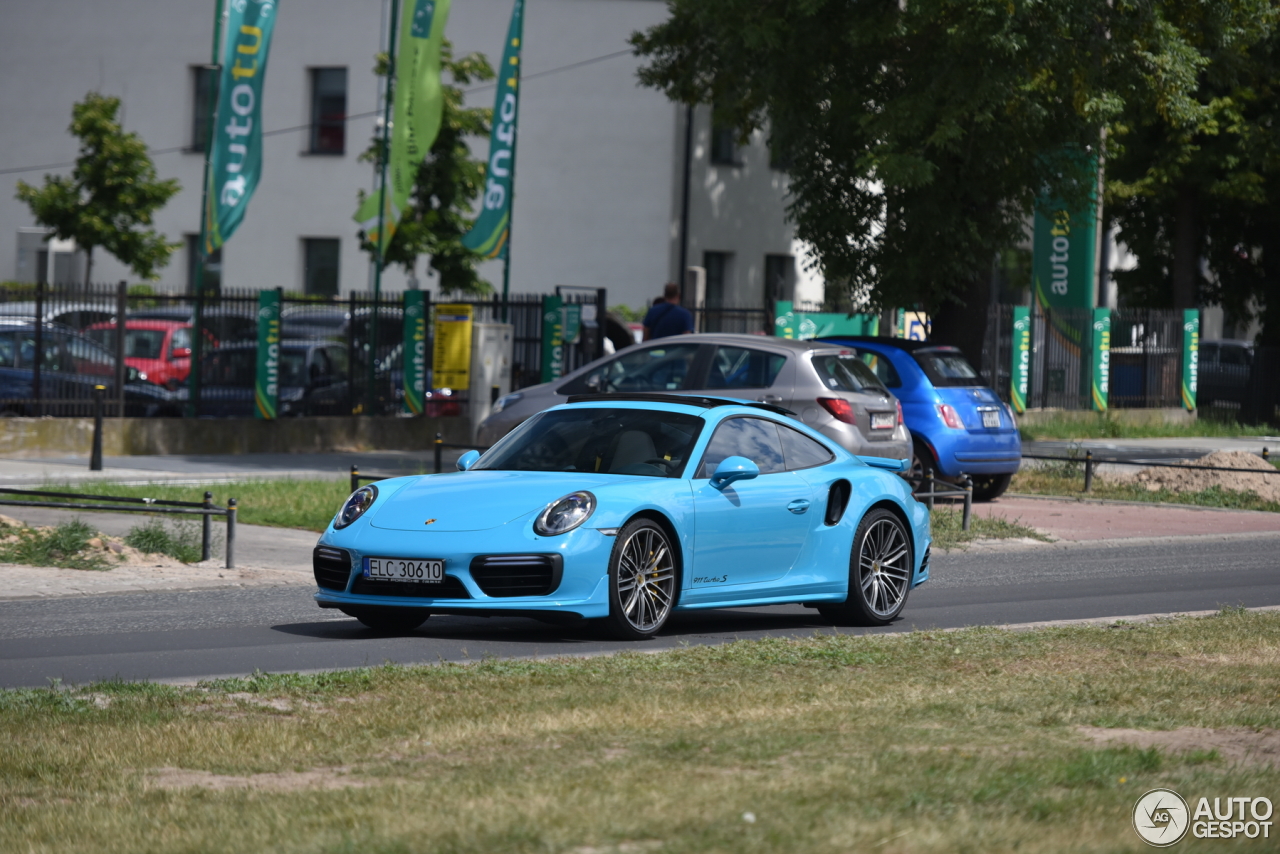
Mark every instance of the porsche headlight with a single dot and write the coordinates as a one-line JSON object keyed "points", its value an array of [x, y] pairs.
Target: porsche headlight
{"points": [[361, 500], [565, 514]]}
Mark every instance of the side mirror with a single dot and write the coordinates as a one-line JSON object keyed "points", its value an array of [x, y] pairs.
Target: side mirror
{"points": [[733, 469], [182, 352], [467, 460]]}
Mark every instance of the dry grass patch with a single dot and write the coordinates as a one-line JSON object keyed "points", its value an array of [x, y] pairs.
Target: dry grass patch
{"points": [[1249, 746], [927, 742]]}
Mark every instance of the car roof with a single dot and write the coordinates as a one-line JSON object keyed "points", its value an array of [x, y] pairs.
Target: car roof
{"points": [[141, 323], [743, 340], [904, 344], [294, 343], [700, 401]]}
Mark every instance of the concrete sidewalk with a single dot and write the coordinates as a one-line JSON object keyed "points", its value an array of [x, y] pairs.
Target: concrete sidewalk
{"points": [[1088, 520]]}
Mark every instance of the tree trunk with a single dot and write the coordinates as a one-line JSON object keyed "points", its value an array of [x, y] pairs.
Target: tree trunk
{"points": [[1186, 249], [964, 325]]}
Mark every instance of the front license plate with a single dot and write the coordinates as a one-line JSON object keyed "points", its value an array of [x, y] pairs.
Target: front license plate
{"points": [[404, 569], [991, 418], [882, 421]]}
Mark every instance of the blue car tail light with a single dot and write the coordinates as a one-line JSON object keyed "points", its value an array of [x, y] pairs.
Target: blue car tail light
{"points": [[950, 417]]}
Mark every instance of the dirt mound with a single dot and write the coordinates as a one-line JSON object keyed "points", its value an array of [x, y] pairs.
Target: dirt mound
{"points": [[1236, 744], [1179, 479]]}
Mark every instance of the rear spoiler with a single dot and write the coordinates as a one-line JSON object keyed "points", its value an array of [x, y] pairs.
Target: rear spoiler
{"points": [[886, 463]]}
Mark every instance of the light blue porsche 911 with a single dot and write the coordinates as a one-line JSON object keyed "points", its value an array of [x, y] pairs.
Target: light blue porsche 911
{"points": [[626, 507]]}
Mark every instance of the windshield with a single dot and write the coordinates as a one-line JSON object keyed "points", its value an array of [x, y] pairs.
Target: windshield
{"points": [[846, 372], [947, 368], [239, 367], [636, 442]]}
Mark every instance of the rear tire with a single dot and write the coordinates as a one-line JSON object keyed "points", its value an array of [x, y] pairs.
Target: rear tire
{"points": [[991, 486], [881, 566], [920, 460], [389, 619]]}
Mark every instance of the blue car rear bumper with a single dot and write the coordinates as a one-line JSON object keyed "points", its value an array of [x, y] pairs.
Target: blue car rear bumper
{"points": [[971, 452]]}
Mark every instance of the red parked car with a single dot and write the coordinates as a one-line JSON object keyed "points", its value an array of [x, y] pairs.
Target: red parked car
{"points": [[159, 349]]}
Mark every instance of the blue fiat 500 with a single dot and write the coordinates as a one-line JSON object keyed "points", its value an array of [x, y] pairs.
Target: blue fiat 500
{"points": [[959, 426], [625, 507]]}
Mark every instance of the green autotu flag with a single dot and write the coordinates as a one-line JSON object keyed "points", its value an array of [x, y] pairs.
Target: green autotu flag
{"points": [[235, 159], [415, 352], [418, 108], [1020, 369], [1101, 380], [488, 237], [266, 385], [1190, 356]]}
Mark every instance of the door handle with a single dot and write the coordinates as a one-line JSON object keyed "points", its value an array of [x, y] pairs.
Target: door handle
{"points": [[769, 398], [798, 506]]}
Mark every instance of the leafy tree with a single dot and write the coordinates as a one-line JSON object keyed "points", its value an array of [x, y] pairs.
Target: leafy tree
{"points": [[919, 135], [438, 214], [110, 196]]}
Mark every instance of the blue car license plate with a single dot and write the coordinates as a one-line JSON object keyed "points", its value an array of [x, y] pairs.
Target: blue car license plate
{"points": [[428, 571], [991, 418]]}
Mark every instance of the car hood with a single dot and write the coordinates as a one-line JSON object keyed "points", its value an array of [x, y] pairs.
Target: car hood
{"points": [[476, 500]]}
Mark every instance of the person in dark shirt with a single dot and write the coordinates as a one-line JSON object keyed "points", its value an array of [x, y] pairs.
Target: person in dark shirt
{"points": [[668, 317]]}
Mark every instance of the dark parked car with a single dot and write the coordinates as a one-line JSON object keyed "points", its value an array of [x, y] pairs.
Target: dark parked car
{"points": [[70, 366], [1224, 369], [313, 379]]}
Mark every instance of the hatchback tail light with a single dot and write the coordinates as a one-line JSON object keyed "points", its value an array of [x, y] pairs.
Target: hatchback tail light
{"points": [[901, 420], [950, 417], [840, 409]]}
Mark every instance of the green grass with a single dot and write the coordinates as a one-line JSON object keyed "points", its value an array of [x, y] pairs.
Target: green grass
{"points": [[282, 502], [948, 530], [61, 546], [1068, 479], [928, 742], [1102, 426], [181, 539]]}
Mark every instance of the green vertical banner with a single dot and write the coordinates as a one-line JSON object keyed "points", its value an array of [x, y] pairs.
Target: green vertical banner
{"points": [[1064, 247], [552, 338], [415, 352], [789, 323], [488, 237], [1020, 369], [1100, 383], [235, 160], [266, 384], [1190, 356], [418, 112]]}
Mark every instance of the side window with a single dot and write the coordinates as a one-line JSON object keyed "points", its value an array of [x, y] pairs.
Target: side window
{"points": [[800, 451], [883, 368], [338, 360], [753, 438], [8, 351], [181, 340], [650, 369], [738, 367]]}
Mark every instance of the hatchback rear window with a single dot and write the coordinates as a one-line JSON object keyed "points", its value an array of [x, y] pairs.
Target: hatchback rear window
{"points": [[846, 372], [947, 368]]}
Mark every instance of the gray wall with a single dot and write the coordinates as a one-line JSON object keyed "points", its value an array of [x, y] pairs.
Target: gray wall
{"points": [[597, 180]]}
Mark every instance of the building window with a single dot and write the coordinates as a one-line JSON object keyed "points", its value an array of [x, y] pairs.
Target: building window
{"points": [[212, 267], [779, 280], [328, 110], [724, 143], [201, 97], [717, 265], [320, 265]]}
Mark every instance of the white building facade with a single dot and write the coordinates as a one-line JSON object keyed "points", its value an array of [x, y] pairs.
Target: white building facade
{"points": [[600, 196]]}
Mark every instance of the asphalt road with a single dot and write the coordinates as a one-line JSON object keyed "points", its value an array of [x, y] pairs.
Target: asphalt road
{"points": [[188, 635]]}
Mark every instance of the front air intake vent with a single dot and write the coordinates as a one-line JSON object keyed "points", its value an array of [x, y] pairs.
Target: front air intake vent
{"points": [[517, 575], [451, 588], [332, 567]]}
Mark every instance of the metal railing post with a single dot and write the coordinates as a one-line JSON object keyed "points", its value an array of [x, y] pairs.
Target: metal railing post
{"points": [[39, 350], [206, 532], [122, 307], [231, 533], [439, 453], [968, 503], [355, 478], [1266, 455], [1088, 471], [95, 455], [928, 487]]}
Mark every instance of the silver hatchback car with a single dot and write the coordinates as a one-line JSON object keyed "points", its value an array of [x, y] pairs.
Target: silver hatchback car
{"points": [[828, 387]]}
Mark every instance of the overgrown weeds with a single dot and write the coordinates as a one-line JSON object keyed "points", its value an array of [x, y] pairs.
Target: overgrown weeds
{"points": [[65, 545], [948, 532], [1067, 479], [181, 539]]}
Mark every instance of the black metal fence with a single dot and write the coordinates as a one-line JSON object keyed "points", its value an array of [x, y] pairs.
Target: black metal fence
{"points": [[1146, 357], [138, 344]]}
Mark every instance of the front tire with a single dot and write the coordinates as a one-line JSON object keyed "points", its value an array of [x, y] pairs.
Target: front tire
{"points": [[642, 581], [881, 564], [389, 619]]}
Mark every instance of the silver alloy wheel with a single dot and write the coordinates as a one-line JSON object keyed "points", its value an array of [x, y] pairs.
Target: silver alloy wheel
{"points": [[646, 579], [884, 567]]}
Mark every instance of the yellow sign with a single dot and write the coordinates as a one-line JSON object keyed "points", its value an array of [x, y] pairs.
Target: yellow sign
{"points": [[452, 354]]}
